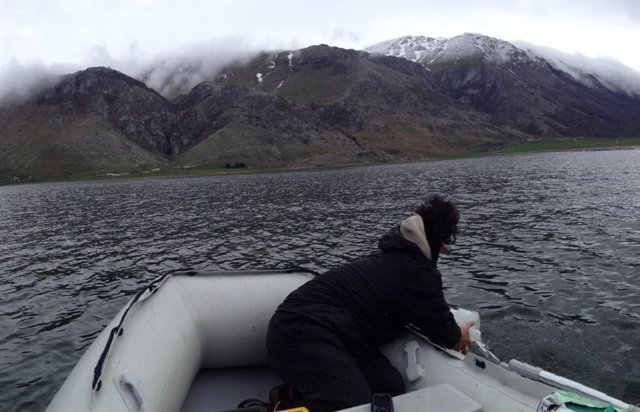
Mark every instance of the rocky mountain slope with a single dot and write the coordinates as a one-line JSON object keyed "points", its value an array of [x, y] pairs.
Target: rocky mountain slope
{"points": [[519, 89], [97, 119], [405, 99], [361, 104], [320, 105]]}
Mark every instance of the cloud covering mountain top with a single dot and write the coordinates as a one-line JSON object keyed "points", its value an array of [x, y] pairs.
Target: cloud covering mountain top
{"points": [[611, 72], [181, 69], [171, 73]]}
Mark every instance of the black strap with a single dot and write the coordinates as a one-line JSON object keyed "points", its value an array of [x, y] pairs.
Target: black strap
{"points": [[151, 289], [118, 330]]}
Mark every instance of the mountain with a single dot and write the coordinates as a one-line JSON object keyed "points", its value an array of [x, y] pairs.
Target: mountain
{"points": [[519, 89], [410, 98], [379, 104], [88, 121], [319, 105]]}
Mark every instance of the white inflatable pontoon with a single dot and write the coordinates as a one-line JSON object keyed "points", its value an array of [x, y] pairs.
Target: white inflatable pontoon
{"points": [[196, 342]]}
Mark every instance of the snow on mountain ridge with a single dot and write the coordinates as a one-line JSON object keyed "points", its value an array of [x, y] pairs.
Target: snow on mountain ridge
{"points": [[404, 46], [430, 50]]}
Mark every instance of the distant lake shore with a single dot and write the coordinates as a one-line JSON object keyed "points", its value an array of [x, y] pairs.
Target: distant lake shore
{"points": [[549, 145], [573, 144]]}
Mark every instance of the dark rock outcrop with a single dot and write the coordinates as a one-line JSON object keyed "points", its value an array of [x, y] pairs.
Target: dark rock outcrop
{"points": [[130, 107]]}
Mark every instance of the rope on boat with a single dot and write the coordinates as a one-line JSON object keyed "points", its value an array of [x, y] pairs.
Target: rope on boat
{"points": [[148, 291], [117, 330]]}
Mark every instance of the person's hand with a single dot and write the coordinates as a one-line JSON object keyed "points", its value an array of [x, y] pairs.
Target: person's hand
{"points": [[465, 341]]}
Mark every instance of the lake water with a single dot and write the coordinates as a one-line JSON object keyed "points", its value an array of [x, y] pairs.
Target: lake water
{"points": [[549, 253]]}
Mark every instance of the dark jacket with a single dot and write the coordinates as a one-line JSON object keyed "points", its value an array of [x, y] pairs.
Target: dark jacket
{"points": [[368, 302]]}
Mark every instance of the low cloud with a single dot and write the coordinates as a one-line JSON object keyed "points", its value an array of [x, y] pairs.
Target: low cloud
{"points": [[345, 36], [613, 74], [170, 73], [178, 71], [18, 81]]}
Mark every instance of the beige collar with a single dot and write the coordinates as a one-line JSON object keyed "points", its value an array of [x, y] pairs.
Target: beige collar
{"points": [[412, 229]]}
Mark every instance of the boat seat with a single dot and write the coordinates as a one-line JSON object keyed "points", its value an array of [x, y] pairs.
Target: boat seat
{"points": [[436, 398]]}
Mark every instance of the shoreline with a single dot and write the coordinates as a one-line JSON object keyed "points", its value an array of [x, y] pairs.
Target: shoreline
{"points": [[541, 146], [573, 144]]}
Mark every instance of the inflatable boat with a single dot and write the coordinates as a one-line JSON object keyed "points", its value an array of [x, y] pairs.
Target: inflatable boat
{"points": [[195, 341]]}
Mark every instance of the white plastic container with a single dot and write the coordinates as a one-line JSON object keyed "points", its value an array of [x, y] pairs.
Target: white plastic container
{"points": [[463, 316]]}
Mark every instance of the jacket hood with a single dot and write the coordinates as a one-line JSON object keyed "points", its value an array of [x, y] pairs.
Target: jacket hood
{"points": [[409, 236]]}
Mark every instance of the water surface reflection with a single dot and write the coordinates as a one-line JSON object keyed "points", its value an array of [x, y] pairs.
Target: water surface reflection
{"points": [[549, 253]]}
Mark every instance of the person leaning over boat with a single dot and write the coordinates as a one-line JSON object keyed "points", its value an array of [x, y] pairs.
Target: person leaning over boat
{"points": [[323, 339]]}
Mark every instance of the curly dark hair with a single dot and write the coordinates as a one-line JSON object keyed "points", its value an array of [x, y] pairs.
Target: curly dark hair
{"points": [[440, 217]]}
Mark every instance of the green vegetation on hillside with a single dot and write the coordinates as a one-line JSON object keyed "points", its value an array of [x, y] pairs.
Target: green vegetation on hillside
{"points": [[572, 143], [187, 171]]}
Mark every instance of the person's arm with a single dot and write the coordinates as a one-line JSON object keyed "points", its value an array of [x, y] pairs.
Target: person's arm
{"points": [[430, 312]]}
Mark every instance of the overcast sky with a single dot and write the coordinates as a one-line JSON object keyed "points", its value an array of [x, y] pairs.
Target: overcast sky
{"points": [[79, 33]]}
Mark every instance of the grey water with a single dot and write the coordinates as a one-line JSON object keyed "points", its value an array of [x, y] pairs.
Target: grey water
{"points": [[548, 253]]}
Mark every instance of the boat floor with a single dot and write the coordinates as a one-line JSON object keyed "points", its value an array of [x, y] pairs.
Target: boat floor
{"points": [[216, 390]]}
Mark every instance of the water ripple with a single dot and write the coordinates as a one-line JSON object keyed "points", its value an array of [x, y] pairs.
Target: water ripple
{"points": [[549, 252]]}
